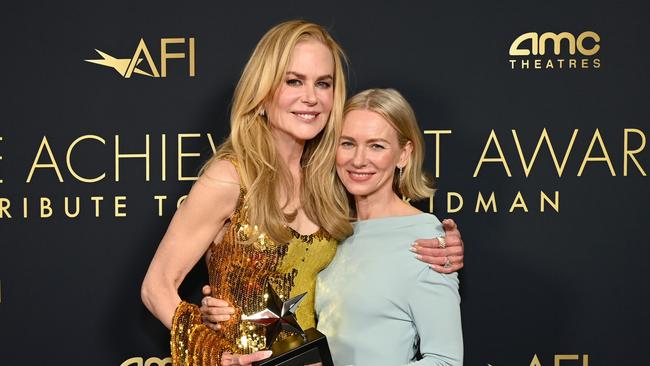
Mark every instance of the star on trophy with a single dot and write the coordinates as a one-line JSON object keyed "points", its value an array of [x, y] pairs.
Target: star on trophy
{"points": [[302, 347]]}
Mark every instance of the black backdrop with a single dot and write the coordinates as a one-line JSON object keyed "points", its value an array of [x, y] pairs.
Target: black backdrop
{"points": [[567, 286]]}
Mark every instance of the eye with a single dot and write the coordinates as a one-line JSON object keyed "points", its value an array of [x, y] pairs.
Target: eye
{"points": [[323, 84], [377, 147], [346, 144], [294, 82]]}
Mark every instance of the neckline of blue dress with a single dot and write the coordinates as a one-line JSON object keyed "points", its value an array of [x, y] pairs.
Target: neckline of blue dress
{"points": [[393, 219]]}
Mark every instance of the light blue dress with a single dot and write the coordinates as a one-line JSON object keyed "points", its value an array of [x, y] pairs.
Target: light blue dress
{"points": [[376, 302]]}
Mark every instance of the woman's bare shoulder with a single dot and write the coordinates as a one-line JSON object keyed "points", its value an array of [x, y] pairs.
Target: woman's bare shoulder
{"points": [[219, 172]]}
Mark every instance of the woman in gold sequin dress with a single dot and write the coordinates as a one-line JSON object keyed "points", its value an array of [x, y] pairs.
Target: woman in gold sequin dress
{"points": [[265, 208]]}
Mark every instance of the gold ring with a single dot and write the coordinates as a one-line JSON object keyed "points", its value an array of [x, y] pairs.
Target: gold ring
{"points": [[442, 244]]}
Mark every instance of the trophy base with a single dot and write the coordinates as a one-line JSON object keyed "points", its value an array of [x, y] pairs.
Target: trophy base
{"points": [[296, 351]]}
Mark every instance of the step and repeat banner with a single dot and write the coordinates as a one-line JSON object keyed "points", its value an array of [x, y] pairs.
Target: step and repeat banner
{"points": [[535, 117]]}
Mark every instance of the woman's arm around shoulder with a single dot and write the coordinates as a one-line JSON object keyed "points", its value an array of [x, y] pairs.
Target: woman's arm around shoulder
{"points": [[210, 203]]}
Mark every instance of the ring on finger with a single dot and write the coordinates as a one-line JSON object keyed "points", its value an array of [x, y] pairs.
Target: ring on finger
{"points": [[447, 264], [442, 244]]}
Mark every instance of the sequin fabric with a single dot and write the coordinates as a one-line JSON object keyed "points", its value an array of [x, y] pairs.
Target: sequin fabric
{"points": [[239, 268]]}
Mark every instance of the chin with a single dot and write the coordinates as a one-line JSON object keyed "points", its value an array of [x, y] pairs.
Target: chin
{"points": [[356, 189], [307, 133]]}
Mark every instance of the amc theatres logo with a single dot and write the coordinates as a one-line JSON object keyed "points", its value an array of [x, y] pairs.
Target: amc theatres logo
{"points": [[135, 65], [555, 51]]}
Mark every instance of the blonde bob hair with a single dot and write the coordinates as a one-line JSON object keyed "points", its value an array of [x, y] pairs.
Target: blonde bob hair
{"points": [[262, 172], [392, 106]]}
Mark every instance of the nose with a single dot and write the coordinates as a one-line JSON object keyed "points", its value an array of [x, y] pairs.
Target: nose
{"points": [[309, 96], [359, 159]]}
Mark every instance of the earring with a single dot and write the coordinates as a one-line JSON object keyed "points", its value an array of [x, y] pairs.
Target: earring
{"points": [[262, 112], [400, 173]]}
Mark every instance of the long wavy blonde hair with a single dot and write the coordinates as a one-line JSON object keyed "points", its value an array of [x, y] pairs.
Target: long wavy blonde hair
{"points": [[264, 175]]}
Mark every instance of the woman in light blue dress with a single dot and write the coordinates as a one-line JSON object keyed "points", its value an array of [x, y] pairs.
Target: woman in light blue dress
{"points": [[376, 309], [376, 303]]}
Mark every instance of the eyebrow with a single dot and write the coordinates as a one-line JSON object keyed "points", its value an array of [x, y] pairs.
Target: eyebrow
{"points": [[303, 76], [369, 141]]}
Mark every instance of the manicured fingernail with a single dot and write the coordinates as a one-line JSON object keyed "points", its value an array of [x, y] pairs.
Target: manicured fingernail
{"points": [[418, 256], [414, 249], [268, 353]]}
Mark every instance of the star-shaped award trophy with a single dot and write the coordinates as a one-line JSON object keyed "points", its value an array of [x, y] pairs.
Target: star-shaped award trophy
{"points": [[299, 349]]}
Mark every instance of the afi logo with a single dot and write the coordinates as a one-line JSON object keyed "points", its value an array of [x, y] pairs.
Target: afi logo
{"points": [[563, 360], [538, 43], [139, 361], [128, 66]]}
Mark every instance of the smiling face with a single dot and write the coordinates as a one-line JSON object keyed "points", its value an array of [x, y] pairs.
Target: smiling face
{"points": [[368, 153], [301, 106]]}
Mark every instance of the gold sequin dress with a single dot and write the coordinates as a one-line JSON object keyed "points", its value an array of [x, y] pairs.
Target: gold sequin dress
{"points": [[239, 270]]}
